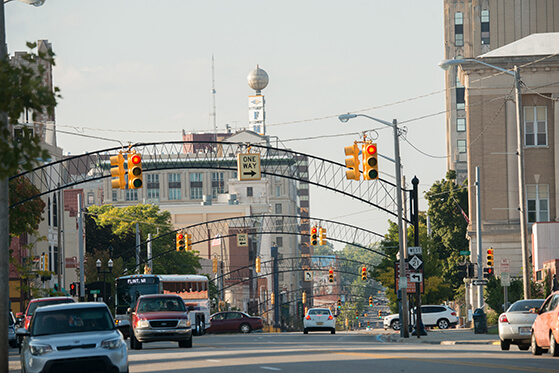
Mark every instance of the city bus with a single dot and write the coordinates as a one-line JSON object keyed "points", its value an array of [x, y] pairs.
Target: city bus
{"points": [[193, 289]]}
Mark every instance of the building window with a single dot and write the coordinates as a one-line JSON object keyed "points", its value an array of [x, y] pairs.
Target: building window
{"points": [[153, 186], [174, 186], [48, 211], [535, 126], [460, 101], [538, 202], [218, 184], [131, 194], [304, 198], [54, 211], [279, 225], [461, 124], [461, 146], [279, 241], [114, 196], [249, 192], [278, 190], [459, 30], [90, 198], [485, 27], [278, 208], [196, 185]]}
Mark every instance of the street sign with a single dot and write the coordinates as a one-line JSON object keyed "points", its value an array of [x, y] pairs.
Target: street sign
{"points": [[248, 166], [415, 262], [415, 250], [505, 265], [505, 279], [416, 277], [242, 239], [96, 291], [308, 275], [479, 282], [466, 252], [410, 288]]}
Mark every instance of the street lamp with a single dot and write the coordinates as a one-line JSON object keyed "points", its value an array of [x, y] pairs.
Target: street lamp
{"points": [[445, 65], [404, 332], [110, 265]]}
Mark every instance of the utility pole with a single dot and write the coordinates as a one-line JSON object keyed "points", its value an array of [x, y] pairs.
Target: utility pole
{"points": [[478, 236]]}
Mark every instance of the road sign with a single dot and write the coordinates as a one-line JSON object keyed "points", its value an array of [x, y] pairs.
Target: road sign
{"points": [[248, 166], [505, 279], [466, 252], [415, 250], [95, 291], [416, 277], [308, 275], [410, 289], [242, 239], [479, 282], [415, 262], [505, 265]]}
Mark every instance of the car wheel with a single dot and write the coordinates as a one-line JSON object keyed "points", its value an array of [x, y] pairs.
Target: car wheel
{"points": [[134, 343], [443, 324], [505, 344], [305, 331], [536, 350], [395, 324], [245, 328], [553, 348], [186, 344], [333, 331], [523, 347]]}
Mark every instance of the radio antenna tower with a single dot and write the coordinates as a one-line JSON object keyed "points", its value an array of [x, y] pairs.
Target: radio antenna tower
{"points": [[213, 114]]}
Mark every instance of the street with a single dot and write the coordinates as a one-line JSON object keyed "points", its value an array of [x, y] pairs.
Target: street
{"points": [[323, 352]]}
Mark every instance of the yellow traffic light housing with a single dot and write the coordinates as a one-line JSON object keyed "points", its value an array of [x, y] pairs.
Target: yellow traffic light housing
{"points": [[339, 303], [352, 162], [314, 237], [117, 172], [356, 314], [180, 241], [257, 264], [322, 236], [272, 298], [304, 297], [135, 171], [379, 314], [214, 265], [371, 301], [188, 242], [490, 261], [331, 275], [364, 273], [370, 161]]}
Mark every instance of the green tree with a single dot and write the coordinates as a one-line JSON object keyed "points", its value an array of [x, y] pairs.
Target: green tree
{"points": [[25, 218]]}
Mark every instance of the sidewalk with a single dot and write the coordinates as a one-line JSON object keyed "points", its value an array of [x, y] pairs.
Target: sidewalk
{"points": [[443, 337]]}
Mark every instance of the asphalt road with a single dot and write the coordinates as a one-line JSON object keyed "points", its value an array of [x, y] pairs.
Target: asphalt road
{"points": [[344, 352]]}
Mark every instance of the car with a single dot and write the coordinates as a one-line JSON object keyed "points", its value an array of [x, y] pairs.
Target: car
{"points": [[160, 317], [545, 329], [318, 319], [233, 322], [40, 302], [515, 324], [12, 339], [441, 316], [71, 337]]}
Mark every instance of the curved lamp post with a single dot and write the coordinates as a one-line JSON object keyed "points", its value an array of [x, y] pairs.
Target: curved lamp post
{"points": [[445, 65], [404, 331]]}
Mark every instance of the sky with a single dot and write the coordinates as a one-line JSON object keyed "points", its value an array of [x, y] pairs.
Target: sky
{"points": [[141, 71]]}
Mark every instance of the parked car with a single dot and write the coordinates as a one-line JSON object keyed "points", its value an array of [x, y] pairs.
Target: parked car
{"points": [[160, 317], [234, 321], [73, 337], [545, 329], [318, 319], [515, 325], [12, 340], [441, 316]]}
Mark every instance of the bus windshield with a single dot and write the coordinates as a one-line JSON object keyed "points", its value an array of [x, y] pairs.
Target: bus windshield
{"points": [[128, 289]]}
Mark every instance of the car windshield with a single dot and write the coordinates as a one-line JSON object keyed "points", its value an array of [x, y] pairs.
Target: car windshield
{"points": [[161, 304], [73, 320], [319, 312], [525, 305], [34, 305]]}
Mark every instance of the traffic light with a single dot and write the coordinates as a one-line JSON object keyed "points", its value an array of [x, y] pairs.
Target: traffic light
{"points": [[73, 289], [118, 172], [272, 298], [471, 273], [488, 272], [314, 238], [322, 236], [371, 301], [214, 265], [331, 275], [370, 161], [180, 241], [357, 314], [339, 303], [364, 273], [188, 242], [134, 171], [379, 314], [462, 270], [352, 162], [257, 264], [304, 297], [490, 257], [147, 270]]}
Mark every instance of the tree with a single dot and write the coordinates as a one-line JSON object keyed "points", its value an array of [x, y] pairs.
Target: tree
{"points": [[25, 218]]}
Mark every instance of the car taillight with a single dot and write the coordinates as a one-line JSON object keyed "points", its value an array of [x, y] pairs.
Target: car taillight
{"points": [[503, 318], [308, 317], [330, 317], [453, 313]]}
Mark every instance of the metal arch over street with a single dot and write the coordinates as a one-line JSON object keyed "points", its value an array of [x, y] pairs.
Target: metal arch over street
{"points": [[267, 224], [74, 170]]}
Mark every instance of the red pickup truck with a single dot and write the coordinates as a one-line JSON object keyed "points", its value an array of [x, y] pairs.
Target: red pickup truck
{"points": [[159, 317]]}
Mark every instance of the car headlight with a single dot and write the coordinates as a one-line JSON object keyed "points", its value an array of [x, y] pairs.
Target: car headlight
{"points": [[142, 324], [184, 323], [111, 344], [37, 349]]}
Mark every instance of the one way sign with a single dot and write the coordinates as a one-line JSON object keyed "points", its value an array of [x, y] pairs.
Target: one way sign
{"points": [[248, 166]]}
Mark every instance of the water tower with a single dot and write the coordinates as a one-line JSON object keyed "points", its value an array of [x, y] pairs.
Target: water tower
{"points": [[258, 80]]}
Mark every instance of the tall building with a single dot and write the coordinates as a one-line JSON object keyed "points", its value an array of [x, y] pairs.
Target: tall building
{"points": [[475, 27]]}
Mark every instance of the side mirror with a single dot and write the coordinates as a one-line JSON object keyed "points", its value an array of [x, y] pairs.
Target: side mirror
{"points": [[129, 310], [22, 332]]}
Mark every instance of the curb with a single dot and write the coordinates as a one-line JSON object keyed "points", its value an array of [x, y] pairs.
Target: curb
{"points": [[392, 338]]}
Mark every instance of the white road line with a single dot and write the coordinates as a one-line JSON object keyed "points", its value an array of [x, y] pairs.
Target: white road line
{"points": [[270, 368], [214, 361]]}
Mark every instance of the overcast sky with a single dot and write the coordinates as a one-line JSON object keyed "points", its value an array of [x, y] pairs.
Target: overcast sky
{"points": [[127, 68]]}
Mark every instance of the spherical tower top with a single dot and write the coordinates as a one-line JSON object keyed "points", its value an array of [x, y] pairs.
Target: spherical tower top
{"points": [[258, 79]]}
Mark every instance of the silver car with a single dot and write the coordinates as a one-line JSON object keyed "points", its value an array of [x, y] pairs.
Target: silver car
{"points": [[515, 324], [319, 319], [68, 337]]}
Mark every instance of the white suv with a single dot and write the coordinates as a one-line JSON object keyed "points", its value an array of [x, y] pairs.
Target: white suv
{"points": [[442, 316]]}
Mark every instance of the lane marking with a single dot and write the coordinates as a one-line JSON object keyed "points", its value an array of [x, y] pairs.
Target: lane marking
{"points": [[270, 368], [214, 361]]}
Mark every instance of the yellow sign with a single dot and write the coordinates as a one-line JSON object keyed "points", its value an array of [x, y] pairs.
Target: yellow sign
{"points": [[248, 166], [242, 239]]}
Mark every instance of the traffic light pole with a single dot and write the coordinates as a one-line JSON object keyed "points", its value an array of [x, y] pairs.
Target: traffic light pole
{"points": [[478, 236], [275, 281]]}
